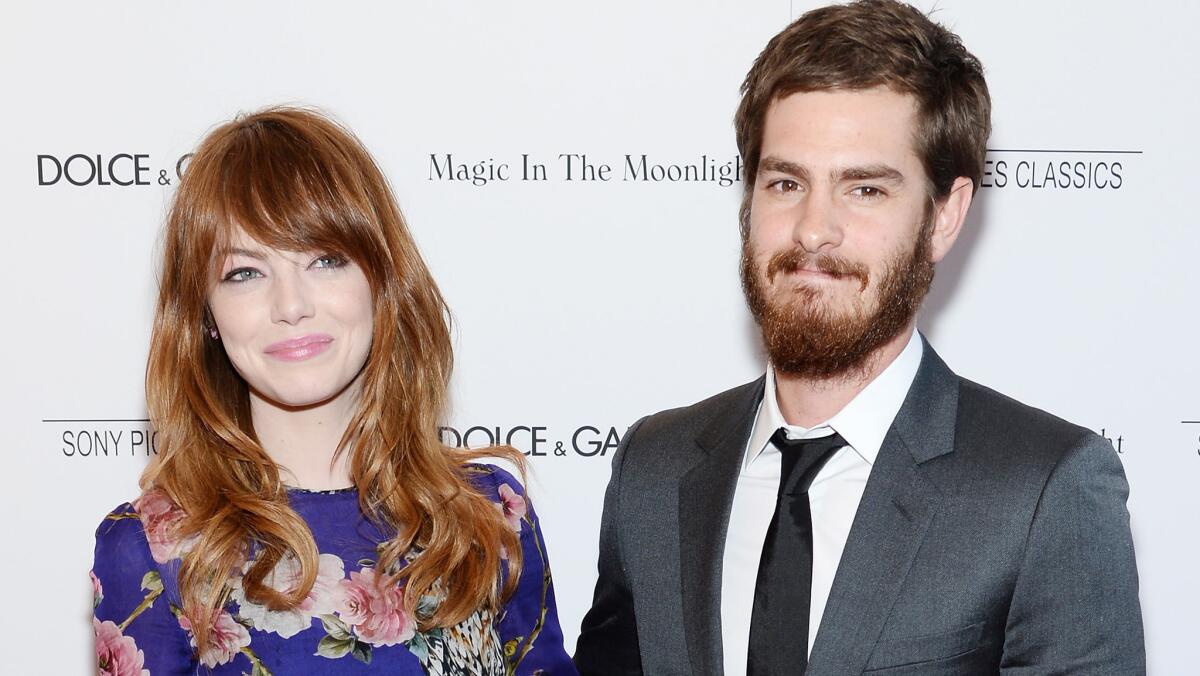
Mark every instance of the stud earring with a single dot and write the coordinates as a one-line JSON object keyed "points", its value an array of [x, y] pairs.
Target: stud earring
{"points": [[212, 333]]}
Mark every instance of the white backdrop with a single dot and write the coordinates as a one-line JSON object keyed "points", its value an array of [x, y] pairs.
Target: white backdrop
{"points": [[582, 305]]}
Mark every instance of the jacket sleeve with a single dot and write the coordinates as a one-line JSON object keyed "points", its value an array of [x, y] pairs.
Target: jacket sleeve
{"points": [[134, 626], [1075, 606], [608, 640]]}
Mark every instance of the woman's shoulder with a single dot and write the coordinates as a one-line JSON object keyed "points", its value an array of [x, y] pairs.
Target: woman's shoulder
{"points": [[489, 478], [120, 529], [149, 523], [501, 487], [123, 566]]}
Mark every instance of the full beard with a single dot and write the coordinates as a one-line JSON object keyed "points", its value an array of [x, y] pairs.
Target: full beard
{"points": [[806, 337]]}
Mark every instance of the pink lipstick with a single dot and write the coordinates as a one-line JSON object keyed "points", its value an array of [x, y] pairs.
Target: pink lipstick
{"points": [[301, 348]]}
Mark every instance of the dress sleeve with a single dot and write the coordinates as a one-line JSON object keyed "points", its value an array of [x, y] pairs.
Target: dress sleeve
{"points": [[136, 631], [529, 628]]}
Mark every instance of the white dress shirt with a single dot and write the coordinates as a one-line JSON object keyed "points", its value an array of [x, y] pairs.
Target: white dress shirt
{"points": [[833, 496]]}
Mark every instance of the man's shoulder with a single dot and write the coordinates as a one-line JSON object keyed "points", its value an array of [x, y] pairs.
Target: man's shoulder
{"points": [[981, 412], [1019, 428], [695, 418]]}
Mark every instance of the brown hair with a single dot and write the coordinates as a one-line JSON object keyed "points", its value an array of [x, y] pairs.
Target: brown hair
{"points": [[295, 180], [873, 43]]}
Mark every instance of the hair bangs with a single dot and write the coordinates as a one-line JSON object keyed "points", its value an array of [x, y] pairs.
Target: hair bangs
{"points": [[294, 190]]}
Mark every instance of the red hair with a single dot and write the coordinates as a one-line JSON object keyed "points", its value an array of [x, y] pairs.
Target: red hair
{"points": [[295, 180]]}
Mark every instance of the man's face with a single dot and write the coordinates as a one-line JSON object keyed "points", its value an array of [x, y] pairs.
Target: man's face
{"points": [[838, 253]]}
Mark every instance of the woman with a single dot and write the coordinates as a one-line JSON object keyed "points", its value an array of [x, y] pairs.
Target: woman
{"points": [[302, 515]]}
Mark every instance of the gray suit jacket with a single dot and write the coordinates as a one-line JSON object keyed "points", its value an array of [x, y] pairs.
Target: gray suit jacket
{"points": [[991, 537]]}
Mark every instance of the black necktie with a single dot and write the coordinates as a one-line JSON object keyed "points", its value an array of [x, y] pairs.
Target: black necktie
{"points": [[783, 590]]}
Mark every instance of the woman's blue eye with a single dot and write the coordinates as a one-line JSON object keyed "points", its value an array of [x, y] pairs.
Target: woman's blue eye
{"points": [[241, 275], [329, 261]]}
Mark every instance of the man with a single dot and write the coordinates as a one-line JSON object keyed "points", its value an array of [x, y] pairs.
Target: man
{"points": [[861, 508]]}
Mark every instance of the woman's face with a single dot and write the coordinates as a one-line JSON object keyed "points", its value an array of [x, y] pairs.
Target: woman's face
{"points": [[296, 326]]}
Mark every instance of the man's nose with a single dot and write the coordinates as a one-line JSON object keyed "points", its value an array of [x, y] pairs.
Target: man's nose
{"points": [[817, 228]]}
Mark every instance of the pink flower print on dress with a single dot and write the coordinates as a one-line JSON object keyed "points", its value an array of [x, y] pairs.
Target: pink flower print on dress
{"points": [[377, 615], [321, 599], [160, 519], [224, 641], [116, 654], [97, 589], [512, 504]]}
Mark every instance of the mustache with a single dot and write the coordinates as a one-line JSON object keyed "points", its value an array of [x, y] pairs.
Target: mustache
{"points": [[797, 259]]}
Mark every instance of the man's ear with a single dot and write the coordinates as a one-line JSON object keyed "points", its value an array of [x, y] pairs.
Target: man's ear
{"points": [[948, 217]]}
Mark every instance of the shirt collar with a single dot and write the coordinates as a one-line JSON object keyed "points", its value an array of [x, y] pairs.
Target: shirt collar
{"points": [[863, 422]]}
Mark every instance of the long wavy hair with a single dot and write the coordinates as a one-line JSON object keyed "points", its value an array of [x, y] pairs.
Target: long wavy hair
{"points": [[295, 180]]}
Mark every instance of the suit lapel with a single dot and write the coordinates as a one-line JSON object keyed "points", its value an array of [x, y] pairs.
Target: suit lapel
{"points": [[900, 500], [705, 498]]}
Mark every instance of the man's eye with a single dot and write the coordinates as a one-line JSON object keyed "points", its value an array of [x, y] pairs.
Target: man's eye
{"points": [[328, 261], [785, 185], [241, 275], [867, 191]]}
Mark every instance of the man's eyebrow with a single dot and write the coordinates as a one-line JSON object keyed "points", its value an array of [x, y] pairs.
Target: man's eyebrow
{"points": [[866, 172], [870, 172], [771, 163]]}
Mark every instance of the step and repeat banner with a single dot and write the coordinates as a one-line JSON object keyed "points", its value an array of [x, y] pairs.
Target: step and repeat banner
{"points": [[570, 173]]}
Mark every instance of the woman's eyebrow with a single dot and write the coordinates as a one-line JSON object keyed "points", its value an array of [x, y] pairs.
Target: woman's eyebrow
{"points": [[238, 251]]}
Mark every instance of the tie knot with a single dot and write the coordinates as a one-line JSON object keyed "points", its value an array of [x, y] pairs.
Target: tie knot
{"points": [[802, 459]]}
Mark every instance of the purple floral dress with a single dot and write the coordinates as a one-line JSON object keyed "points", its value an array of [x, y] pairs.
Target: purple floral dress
{"points": [[346, 625]]}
